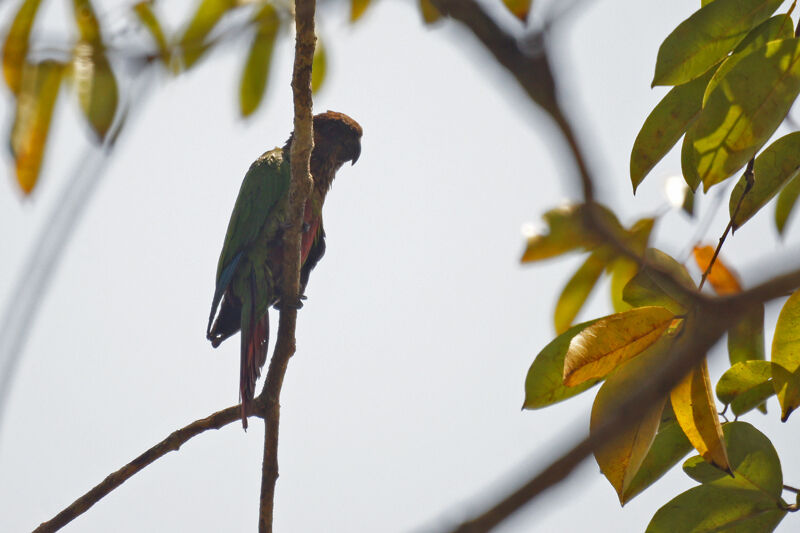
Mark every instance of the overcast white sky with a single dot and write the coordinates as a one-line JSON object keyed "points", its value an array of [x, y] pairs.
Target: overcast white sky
{"points": [[401, 407]]}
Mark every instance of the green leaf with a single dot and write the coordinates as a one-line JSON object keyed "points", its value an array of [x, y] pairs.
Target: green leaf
{"points": [[773, 168], [707, 509], [544, 383], [256, 68], [612, 340], [319, 66], [144, 12], [746, 339], [746, 385], [744, 110], [754, 462], [778, 27], [621, 457], [669, 447], [578, 288], [786, 202], [688, 163], [623, 269], [39, 87], [665, 125], [357, 9], [647, 288], [706, 38], [95, 86], [15, 48], [519, 8], [688, 203], [787, 389], [193, 41], [86, 19], [429, 12], [786, 353]]}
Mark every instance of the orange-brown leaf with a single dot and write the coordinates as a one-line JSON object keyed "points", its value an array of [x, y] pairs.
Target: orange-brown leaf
{"points": [[721, 278]]}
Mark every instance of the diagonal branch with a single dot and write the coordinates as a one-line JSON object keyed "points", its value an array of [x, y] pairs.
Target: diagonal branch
{"points": [[268, 402], [172, 443]]}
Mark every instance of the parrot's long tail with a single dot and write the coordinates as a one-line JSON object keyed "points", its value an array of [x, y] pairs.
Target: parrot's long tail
{"points": [[255, 338]]}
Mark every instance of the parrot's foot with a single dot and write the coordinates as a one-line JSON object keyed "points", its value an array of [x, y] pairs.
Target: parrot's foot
{"points": [[295, 305]]}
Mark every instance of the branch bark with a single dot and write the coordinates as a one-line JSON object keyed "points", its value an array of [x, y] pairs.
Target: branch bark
{"points": [[268, 401], [172, 443]]}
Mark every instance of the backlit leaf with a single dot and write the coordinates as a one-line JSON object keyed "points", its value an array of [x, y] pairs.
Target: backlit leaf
{"points": [[86, 19], [786, 202], [774, 167], [519, 8], [612, 340], [623, 269], [648, 288], [95, 86], [429, 12], [746, 339], [706, 38], [721, 278], [746, 385], [744, 110], [787, 389], [357, 9], [578, 288], [696, 412], [15, 48], [544, 383], [786, 351], [256, 69], [144, 12], [39, 87], [665, 125], [621, 458], [319, 66], [193, 41], [669, 447]]}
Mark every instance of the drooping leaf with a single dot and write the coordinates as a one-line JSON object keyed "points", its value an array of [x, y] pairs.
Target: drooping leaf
{"points": [[15, 48], [544, 383], [709, 508], [669, 447], [357, 9], [746, 385], [39, 87], [319, 66], [787, 389], [623, 269], [429, 12], [785, 204], [746, 339], [775, 28], [774, 167], [665, 125], [786, 351], [706, 37], [519, 8], [744, 110], [688, 202], [721, 278], [96, 86], [578, 288], [688, 162], [86, 20], [144, 12], [612, 340], [621, 458], [696, 412], [256, 69], [193, 41], [648, 288]]}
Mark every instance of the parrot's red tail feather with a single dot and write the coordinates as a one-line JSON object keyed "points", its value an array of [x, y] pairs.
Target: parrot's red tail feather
{"points": [[254, 354]]}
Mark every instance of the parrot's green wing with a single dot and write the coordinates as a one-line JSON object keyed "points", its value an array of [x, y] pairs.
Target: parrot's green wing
{"points": [[264, 186]]}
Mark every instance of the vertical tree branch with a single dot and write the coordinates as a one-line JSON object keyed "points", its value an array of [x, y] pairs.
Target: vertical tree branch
{"points": [[299, 189]]}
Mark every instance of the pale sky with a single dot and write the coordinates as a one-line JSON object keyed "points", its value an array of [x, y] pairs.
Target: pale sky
{"points": [[401, 409]]}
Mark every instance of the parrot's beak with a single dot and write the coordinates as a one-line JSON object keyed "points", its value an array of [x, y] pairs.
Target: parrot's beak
{"points": [[356, 155]]}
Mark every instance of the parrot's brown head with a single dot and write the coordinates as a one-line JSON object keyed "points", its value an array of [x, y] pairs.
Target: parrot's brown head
{"points": [[337, 138]]}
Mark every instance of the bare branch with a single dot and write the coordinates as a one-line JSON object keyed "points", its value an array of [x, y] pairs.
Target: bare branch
{"points": [[268, 401], [172, 443]]}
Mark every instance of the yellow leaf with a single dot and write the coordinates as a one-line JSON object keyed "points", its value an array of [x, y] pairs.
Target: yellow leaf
{"points": [[621, 458], [144, 12], [15, 48], [519, 8], [722, 279], [319, 66], [96, 86], [357, 9], [85, 18], [429, 12], [578, 288], [38, 91], [693, 403], [193, 41], [612, 340], [256, 69], [786, 354]]}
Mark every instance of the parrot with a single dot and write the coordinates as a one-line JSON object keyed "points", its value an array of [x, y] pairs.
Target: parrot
{"points": [[249, 277]]}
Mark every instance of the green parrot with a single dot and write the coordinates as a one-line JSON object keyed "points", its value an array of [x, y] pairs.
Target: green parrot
{"points": [[249, 273]]}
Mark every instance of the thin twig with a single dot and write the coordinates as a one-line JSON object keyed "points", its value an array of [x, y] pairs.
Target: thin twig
{"points": [[268, 401], [172, 443], [791, 489], [749, 181]]}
